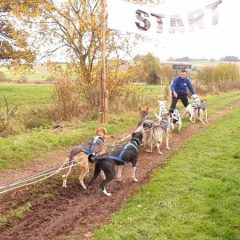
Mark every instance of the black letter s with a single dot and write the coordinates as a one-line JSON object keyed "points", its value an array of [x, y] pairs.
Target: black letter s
{"points": [[146, 22]]}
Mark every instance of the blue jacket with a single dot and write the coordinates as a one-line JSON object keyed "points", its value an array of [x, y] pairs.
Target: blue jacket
{"points": [[180, 86]]}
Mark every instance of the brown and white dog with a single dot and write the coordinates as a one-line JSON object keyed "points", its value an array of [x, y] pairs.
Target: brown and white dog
{"points": [[80, 155]]}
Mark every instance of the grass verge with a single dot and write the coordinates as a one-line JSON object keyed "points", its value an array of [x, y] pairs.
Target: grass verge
{"points": [[195, 197]]}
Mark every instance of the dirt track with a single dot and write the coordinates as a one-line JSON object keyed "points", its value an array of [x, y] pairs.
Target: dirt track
{"points": [[72, 211]]}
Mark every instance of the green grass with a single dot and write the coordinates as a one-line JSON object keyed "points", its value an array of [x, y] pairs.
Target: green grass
{"points": [[195, 197], [27, 95], [18, 150], [14, 214]]}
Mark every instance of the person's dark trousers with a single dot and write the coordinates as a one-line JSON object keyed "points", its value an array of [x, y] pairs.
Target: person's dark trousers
{"points": [[183, 99]]}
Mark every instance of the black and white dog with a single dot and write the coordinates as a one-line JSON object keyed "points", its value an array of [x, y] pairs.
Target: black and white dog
{"points": [[175, 119], [107, 161], [197, 108]]}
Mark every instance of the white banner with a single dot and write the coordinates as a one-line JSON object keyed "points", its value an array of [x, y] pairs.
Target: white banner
{"points": [[144, 19]]}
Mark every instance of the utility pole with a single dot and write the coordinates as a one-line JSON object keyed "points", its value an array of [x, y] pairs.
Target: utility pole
{"points": [[103, 87]]}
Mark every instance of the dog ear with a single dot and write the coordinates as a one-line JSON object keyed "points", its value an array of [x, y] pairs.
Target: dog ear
{"points": [[99, 131], [104, 131], [147, 109]]}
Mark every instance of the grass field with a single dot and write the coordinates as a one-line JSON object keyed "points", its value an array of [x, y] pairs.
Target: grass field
{"points": [[24, 95], [17, 150], [195, 197]]}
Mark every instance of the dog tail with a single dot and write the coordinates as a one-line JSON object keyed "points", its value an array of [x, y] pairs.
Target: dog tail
{"points": [[157, 116], [92, 158]]}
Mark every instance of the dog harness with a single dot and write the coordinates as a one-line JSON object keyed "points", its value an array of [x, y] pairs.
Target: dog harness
{"points": [[203, 106], [118, 158], [163, 110], [147, 125], [196, 101], [163, 124], [97, 139]]}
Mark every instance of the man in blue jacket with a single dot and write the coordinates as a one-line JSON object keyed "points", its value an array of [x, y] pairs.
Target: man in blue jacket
{"points": [[179, 90]]}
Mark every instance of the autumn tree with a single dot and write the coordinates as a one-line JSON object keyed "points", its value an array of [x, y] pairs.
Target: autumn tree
{"points": [[124, 74], [151, 68], [14, 46], [205, 74], [167, 74], [226, 76], [74, 28]]}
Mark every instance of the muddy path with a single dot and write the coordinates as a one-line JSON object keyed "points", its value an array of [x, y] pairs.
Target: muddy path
{"points": [[72, 211]]}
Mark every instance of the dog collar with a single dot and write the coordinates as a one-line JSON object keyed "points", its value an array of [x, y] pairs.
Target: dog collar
{"points": [[131, 144], [99, 139], [137, 141]]}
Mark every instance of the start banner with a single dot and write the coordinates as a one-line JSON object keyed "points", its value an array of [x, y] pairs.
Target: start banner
{"points": [[136, 18]]}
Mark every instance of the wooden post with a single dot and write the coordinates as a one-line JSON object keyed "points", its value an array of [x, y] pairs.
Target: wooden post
{"points": [[104, 91]]}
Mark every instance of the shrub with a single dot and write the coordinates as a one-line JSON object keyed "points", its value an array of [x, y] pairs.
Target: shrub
{"points": [[39, 118], [66, 99], [2, 77]]}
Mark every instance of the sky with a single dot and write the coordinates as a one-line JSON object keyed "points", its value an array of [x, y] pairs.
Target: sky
{"points": [[213, 42]]}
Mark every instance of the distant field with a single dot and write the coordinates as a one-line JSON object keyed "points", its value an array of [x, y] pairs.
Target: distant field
{"points": [[39, 95], [38, 74], [196, 65], [27, 95]]}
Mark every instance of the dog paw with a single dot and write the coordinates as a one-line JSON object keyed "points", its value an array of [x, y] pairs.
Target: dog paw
{"points": [[149, 151], [168, 148], [83, 186], [106, 193], [64, 186], [160, 153], [135, 180], [118, 179]]}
